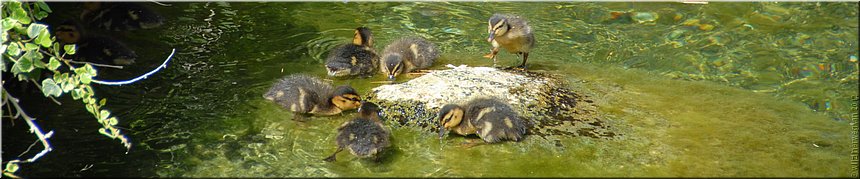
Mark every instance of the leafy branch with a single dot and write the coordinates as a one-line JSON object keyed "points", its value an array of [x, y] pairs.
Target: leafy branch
{"points": [[32, 52]]}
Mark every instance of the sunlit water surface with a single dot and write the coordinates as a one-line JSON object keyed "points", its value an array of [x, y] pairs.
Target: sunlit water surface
{"points": [[766, 92]]}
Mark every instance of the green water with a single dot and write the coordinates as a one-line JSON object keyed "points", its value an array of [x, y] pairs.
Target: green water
{"points": [[766, 92]]}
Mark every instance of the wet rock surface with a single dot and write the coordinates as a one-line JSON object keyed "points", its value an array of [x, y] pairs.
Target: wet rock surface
{"points": [[552, 108]]}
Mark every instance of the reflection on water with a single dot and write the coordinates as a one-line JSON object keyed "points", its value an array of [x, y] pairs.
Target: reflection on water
{"points": [[723, 89]]}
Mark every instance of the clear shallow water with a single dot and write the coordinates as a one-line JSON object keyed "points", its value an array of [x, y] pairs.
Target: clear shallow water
{"points": [[749, 97]]}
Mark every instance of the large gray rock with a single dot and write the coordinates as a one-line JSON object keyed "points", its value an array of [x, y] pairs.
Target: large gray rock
{"points": [[544, 100]]}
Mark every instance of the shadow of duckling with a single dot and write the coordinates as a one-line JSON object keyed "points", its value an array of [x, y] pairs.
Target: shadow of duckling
{"points": [[120, 16], [94, 48]]}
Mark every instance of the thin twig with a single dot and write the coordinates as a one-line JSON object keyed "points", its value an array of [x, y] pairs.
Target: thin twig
{"points": [[49, 97], [161, 4], [33, 128], [28, 148], [95, 64], [144, 76], [77, 62]]}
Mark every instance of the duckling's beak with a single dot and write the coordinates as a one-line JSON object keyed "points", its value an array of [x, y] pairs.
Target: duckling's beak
{"points": [[442, 132], [492, 36]]}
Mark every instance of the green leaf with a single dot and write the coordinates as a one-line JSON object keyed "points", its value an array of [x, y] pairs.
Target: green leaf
{"points": [[90, 108], [102, 102], [44, 38], [70, 49], [18, 13], [40, 15], [11, 167], [76, 94], [8, 23], [69, 84], [50, 88], [104, 114], [30, 46], [85, 78], [35, 29], [43, 6], [13, 50], [112, 121], [53, 64], [90, 70], [105, 132], [24, 64]]}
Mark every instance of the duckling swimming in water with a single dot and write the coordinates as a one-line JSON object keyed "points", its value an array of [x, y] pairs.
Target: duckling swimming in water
{"points": [[407, 54], [512, 33], [94, 48], [120, 16], [489, 118], [364, 136], [357, 58], [305, 95]]}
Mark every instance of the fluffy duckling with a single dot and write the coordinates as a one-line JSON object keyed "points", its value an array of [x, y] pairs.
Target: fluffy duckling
{"points": [[364, 136], [357, 58], [407, 54], [512, 33], [120, 16], [489, 118], [94, 48], [305, 95]]}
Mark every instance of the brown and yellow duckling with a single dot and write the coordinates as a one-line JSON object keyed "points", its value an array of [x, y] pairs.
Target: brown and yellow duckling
{"points": [[406, 55], [305, 95], [120, 16], [512, 33], [364, 136], [357, 58], [94, 48], [489, 118]]}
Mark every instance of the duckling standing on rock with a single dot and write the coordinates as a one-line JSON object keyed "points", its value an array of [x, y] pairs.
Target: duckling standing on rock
{"points": [[364, 136], [407, 54], [489, 118], [512, 33], [353, 59], [305, 95], [120, 16], [94, 48]]}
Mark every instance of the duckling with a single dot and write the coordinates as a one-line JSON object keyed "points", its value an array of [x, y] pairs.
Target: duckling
{"points": [[120, 16], [357, 58], [407, 54], [364, 136], [305, 95], [512, 33], [489, 118], [94, 48]]}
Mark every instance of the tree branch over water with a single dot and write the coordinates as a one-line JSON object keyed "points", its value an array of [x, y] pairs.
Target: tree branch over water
{"points": [[144, 76]]}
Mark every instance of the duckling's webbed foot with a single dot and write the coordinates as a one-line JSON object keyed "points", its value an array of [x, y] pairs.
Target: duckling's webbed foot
{"points": [[492, 55], [333, 157]]}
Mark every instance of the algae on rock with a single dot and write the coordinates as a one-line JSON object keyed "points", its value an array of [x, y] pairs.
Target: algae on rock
{"points": [[541, 99]]}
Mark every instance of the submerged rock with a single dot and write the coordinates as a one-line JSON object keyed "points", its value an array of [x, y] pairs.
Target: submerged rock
{"points": [[541, 99]]}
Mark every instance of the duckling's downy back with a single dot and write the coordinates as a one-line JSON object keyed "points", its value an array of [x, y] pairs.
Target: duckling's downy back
{"points": [[120, 16], [299, 92], [495, 120], [363, 137], [415, 51], [351, 59]]}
